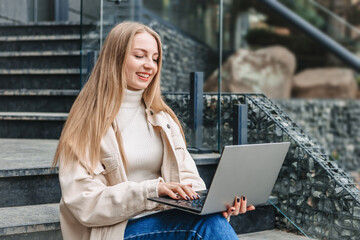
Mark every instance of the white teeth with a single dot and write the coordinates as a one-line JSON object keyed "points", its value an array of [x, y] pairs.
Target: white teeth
{"points": [[143, 75]]}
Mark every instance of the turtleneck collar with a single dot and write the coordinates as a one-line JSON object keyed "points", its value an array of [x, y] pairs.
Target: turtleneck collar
{"points": [[132, 98]]}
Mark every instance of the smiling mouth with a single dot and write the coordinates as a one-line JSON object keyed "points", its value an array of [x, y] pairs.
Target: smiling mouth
{"points": [[143, 76]]}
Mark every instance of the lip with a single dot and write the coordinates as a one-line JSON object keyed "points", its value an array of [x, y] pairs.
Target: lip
{"points": [[143, 78]]}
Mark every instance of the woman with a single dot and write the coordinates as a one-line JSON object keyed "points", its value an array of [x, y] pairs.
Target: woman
{"points": [[122, 144]]}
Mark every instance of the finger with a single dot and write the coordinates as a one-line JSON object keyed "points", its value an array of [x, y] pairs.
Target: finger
{"points": [[171, 194], [243, 205], [225, 214], [180, 191], [230, 211], [189, 191], [237, 206], [194, 193], [250, 208]]}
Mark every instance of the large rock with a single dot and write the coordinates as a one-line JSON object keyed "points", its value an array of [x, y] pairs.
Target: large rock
{"points": [[269, 71], [325, 83]]}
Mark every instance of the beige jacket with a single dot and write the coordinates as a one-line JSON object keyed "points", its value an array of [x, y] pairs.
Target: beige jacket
{"points": [[98, 207]]}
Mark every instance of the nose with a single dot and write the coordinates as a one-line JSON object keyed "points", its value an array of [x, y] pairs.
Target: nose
{"points": [[150, 64]]}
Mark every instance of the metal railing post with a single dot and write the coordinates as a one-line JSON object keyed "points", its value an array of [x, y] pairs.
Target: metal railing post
{"points": [[196, 107], [240, 120]]}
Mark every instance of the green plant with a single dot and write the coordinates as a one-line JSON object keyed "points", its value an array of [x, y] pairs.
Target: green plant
{"points": [[306, 11]]}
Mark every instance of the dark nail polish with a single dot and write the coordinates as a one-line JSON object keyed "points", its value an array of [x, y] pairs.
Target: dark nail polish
{"points": [[198, 196], [232, 210], [243, 198], [194, 197], [187, 198], [177, 196], [238, 199]]}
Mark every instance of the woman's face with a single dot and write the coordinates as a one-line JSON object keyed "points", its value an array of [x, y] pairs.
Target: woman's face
{"points": [[142, 61]]}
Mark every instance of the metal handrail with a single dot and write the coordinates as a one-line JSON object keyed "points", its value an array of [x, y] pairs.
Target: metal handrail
{"points": [[345, 55]]}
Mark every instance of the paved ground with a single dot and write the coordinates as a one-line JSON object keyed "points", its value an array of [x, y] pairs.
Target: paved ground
{"points": [[271, 235]]}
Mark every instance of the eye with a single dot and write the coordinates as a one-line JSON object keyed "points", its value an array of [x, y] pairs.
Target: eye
{"points": [[138, 56], [156, 60]]}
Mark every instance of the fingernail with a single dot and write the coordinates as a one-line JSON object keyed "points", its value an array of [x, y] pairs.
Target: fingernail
{"points": [[238, 199], [187, 198], [177, 196], [198, 196], [232, 210], [243, 198], [194, 197]]}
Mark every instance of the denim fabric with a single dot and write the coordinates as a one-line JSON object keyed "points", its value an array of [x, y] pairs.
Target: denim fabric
{"points": [[176, 224]]}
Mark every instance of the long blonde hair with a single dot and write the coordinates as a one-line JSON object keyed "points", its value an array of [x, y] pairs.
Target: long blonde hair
{"points": [[97, 105]]}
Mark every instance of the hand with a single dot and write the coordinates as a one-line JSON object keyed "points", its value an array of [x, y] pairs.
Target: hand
{"points": [[240, 206], [177, 190]]}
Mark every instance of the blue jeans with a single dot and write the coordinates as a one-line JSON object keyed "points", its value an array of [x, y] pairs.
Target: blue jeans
{"points": [[177, 224]]}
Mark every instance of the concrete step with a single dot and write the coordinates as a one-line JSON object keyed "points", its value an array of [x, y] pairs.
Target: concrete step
{"points": [[40, 60], [42, 222], [43, 28], [274, 234], [31, 125], [67, 78], [37, 100], [26, 176], [39, 222], [40, 43]]}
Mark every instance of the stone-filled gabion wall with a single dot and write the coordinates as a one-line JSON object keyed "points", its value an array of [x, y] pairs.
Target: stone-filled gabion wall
{"points": [[312, 190], [335, 124], [181, 55]]}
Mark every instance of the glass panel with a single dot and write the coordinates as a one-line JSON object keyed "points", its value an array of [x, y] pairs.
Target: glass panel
{"points": [[335, 18], [189, 31], [90, 36], [29, 11]]}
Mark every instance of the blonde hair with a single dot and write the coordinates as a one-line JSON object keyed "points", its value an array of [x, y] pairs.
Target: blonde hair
{"points": [[97, 105]]}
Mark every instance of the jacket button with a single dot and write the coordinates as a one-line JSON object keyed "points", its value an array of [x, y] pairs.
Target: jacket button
{"points": [[151, 112], [168, 126]]}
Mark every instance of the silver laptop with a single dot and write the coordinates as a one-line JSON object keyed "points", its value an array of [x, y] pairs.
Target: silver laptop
{"points": [[243, 170]]}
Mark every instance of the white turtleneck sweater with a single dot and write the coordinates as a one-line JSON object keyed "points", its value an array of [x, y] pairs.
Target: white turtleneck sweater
{"points": [[141, 141]]}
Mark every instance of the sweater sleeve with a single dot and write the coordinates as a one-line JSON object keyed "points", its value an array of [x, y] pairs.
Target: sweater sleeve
{"points": [[94, 204]]}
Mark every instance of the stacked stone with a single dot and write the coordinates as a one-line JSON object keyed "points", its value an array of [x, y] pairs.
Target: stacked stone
{"points": [[333, 123], [313, 191], [182, 55]]}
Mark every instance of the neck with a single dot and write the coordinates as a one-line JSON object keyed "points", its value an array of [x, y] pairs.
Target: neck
{"points": [[132, 98]]}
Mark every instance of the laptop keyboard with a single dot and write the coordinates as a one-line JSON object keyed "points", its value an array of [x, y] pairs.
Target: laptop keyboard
{"points": [[197, 203], [194, 204]]}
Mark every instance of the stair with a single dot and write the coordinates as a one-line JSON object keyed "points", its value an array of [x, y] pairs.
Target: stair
{"points": [[40, 222], [271, 235], [39, 81], [39, 78], [68, 78]]}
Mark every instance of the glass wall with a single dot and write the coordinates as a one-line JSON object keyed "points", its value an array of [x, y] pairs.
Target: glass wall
{"points": [[263, 51], [30, 11], [190, 36], [259, 50]]}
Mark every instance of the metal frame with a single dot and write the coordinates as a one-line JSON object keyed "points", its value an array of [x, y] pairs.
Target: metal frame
{"points": [[334, 47]]}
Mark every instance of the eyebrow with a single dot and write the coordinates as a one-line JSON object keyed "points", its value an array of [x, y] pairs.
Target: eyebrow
{"points": [[141, 49]]}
